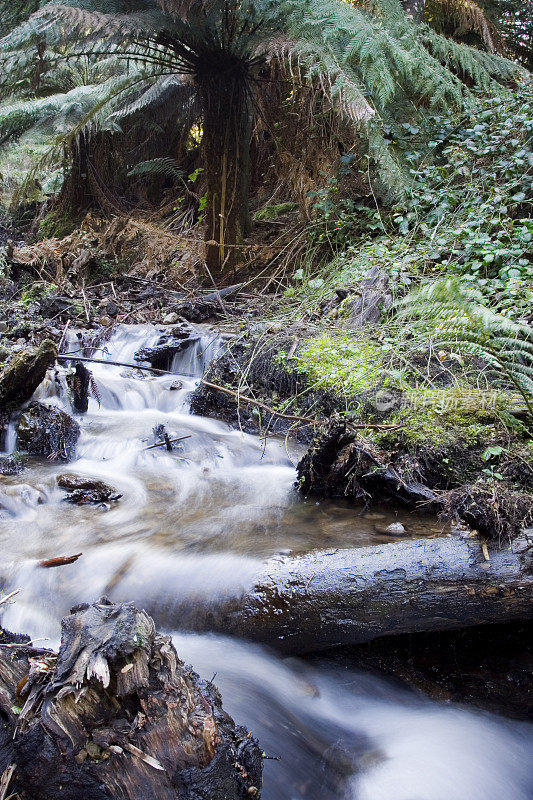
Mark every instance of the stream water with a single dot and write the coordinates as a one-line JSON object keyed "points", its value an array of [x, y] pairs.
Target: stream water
{"points": [[195, 523]]}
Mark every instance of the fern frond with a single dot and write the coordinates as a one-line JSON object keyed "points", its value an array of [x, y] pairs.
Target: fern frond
{"points": [[454, 317], [157, 166], [460, 17]]}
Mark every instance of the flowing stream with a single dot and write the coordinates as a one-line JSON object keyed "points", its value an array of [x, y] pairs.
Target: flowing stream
{"points": [[194, 524]]}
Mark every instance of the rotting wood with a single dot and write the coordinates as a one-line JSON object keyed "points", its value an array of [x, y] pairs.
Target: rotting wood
{"points": [[117, 716]]}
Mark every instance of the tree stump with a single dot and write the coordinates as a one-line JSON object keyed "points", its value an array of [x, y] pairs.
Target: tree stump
{"points": [[115, 715]]}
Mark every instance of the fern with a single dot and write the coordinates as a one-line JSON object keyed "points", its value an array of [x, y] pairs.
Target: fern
{"points": [[167, 167], [455, 317]]}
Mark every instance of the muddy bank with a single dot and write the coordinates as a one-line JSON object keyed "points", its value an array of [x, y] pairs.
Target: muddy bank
{"points": [[262, 366], [341, 463], [116, 714]]}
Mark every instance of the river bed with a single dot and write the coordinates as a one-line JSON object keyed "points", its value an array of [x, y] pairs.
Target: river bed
{"points": [[196, 523]]}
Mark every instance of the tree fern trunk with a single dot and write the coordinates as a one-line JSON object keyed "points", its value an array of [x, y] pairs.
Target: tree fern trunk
{"points": [[227, 130], [75, 196]]}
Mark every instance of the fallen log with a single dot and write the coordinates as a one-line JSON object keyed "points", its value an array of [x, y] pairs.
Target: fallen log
{"points": [[343, 597], [116, 716]]}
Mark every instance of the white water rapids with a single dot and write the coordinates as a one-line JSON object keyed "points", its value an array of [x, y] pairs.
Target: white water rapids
{"points": [[195, 523]]}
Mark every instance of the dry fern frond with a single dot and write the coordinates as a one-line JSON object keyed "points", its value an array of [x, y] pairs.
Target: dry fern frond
{"points": [[460, 17]]}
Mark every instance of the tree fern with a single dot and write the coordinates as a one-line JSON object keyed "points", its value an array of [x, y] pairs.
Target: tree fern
{"points": [[364, 60]]}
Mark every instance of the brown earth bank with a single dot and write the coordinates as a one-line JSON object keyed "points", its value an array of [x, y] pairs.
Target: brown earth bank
{"points": [[368, 455]]}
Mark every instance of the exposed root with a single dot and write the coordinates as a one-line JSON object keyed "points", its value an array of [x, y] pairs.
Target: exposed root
{"points": [[494, 511]]}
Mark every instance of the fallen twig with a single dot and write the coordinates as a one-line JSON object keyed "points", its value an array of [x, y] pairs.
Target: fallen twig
{"points": [[8, 597], [65, 329], [59, 561], [7, 774], [293, 417], [71, 357], [166, 442]]}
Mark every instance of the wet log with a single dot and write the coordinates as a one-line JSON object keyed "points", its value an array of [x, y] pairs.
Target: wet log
{"points": [[325, 599], [116, 715]]}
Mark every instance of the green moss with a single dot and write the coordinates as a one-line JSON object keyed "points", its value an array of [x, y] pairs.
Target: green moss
{"points": [[345, 363], [105, 269], [57, 225], [273, 212], [445, 416], [35, 292]]}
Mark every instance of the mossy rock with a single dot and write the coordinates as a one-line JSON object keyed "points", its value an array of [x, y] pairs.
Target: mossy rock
{"points": [[23, 374]]}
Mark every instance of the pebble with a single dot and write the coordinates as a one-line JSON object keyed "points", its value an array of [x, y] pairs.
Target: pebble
{"points": [[394, 529], [171, 319]]}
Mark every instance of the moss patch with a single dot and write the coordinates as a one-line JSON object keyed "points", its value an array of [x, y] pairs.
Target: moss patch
{"points": [[343, 363], [57, 225]]}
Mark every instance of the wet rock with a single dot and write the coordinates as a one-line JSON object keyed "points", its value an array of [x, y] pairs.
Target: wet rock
{"points": [[168, 345], [10, 465], [117, 714], [374, 297], [47, 431], [23, 374], [111, 308], [17, 498], [197, 311], [54, 305], [86, 491], [171, 319]]}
